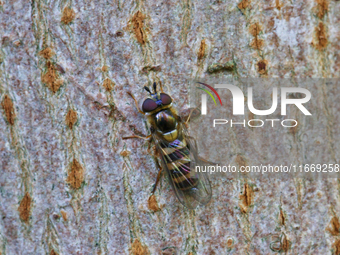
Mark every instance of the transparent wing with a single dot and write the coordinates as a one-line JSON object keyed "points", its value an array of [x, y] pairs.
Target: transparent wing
{"points": [[179, 158], [204, 192]]}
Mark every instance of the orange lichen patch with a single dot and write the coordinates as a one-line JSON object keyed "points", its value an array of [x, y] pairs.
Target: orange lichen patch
{"points": [[105, 68], [201, 51], [138, 27], [282, 219], [53, 252], [50, 78], [293, 130], [336, 247], [25, 207], [152, 203], [244, 4], [71, 118], [250, 116], [262, 66], [255, 29], [47, 53], [108, 85], [246, 198], [7, 104], [271, 24], [64, 215], [68, 15], [285, 244], [334, 226], [230, 243], [278, 5], [241, 161], [76, 175], [138, 249], [321, 37], [322, 8], [257, 43], [125, 153]]}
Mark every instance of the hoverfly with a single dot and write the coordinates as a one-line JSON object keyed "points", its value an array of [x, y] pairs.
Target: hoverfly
{"points": [[176, 149]]}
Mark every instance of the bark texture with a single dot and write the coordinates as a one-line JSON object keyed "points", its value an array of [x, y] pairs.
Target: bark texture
{"points": [[70, 185]]}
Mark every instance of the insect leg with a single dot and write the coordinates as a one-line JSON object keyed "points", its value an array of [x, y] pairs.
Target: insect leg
{"points": [[149, 146], [158, 178], [161, 86], [136, 103], [149, 138], [188, 119]]}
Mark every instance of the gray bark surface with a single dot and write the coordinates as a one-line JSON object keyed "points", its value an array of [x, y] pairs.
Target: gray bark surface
{"points": [[70, 185]]}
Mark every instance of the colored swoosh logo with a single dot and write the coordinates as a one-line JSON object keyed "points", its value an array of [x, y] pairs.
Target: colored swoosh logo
{"points": [[209, 93], [213, 90]]}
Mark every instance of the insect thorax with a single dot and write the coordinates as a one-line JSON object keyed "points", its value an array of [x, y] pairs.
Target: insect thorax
{"points": [[166, 125]]}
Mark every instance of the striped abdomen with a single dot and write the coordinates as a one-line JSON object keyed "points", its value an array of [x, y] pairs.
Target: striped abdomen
{"points": [[177, 160]]}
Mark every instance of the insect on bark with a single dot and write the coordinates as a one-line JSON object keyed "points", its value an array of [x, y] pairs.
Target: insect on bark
{"points": [[176, 149]]}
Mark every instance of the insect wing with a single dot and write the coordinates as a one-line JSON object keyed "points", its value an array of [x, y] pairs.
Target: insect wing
{"points": [[203, 192], [179, 158]]}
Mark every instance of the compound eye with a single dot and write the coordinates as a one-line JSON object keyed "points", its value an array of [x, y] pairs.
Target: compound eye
{"points": [[149, 105], [166, 99]]}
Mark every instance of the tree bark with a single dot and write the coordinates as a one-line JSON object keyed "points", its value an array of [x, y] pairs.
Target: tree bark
{"points": [[70, 185]]}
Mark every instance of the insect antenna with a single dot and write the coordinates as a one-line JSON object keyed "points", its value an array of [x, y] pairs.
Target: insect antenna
{"points": [[147, 89], [154, 87]]}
